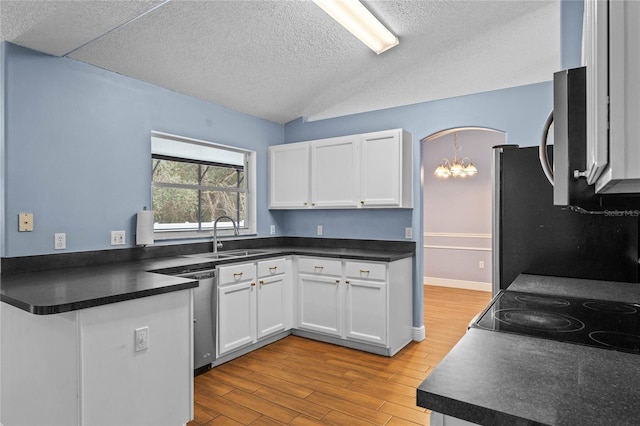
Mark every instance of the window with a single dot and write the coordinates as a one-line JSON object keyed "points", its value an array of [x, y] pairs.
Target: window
{"points": [[195, 182]]}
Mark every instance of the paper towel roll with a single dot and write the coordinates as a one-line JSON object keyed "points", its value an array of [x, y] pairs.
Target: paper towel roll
{"points": [[144, 228]]}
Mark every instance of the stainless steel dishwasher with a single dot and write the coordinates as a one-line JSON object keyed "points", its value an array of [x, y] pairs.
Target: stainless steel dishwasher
{"points": [[204, 320]]}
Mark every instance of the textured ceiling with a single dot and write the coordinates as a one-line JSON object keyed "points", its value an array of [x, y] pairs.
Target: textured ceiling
{"points": [[284, 59]]}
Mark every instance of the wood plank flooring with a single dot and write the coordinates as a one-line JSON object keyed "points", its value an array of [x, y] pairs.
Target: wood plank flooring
{"points": [[297, 381]]}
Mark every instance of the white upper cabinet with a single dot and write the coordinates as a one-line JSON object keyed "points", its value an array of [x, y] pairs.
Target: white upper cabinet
{"points": [[335, 177], [612, 58], [386, 169], [289, 176], [371, 170]]}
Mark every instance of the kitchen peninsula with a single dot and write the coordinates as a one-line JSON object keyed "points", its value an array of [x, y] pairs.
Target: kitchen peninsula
{"points": [[82, 322]]}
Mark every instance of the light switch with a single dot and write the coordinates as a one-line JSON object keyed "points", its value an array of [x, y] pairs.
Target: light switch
{"points": [[25, 222]]}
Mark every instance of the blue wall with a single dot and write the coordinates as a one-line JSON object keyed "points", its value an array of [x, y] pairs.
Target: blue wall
{"points": [[77, 148], [571, 13]]}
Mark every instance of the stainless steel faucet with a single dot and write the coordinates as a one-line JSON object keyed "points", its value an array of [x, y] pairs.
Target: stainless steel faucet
{"points": [[217, 244]]}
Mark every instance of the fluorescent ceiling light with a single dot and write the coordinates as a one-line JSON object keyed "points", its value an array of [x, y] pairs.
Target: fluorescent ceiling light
{"points": [[352, 15]]}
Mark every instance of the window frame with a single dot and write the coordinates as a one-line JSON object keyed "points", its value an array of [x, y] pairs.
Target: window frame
{"points": [[250, 193]]}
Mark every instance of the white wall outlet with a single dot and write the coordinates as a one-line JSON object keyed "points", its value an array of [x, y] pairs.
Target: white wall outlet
{"points": [[408, 233], [319, 230], [481, 264], [60, 241], [117, 238], [142, 338], [25, 222], [273, 230]]}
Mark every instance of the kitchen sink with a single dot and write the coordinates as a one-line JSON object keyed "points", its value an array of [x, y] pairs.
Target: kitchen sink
{"points": [[250, 252], [211, 255], [232, 254]]}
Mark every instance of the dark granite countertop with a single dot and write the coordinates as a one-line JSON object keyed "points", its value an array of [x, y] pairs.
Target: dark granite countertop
{"points": [[494, 378], [577, 287], [70, 289], [346, 253], [52, 291]]}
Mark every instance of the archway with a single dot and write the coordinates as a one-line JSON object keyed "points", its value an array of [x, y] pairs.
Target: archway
{"points": [[457, 210]]}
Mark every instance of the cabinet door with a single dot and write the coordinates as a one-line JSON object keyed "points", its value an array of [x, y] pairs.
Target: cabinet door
{"points": [[623, 172], [289, 176], [380, 169], [366, 311], [319, 304], [236, 316], [271, 309], [335, 173], [596, 57]]}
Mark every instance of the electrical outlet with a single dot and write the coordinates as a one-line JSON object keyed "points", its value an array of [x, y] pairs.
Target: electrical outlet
{"points": [[408, 233], [273, 230], [481, 264], [319, 230], [117, 238], [142, 338], [60, 241]]}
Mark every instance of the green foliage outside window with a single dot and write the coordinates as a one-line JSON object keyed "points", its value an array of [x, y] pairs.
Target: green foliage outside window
{"points": [[190, 195]]}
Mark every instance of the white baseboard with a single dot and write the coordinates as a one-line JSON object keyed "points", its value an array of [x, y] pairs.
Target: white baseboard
{"points": [[467, 285], [418, 334]]}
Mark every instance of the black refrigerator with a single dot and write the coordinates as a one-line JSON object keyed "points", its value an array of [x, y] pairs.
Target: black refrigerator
{"points": [[531, 235]]}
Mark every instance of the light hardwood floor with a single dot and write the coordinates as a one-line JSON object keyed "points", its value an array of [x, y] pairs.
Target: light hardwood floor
{"points": [[297, 381]]}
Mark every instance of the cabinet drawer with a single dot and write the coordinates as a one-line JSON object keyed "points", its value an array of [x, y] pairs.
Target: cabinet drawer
{"points": [[318, 266], [272, 267], [365, 270], [236, 273]]}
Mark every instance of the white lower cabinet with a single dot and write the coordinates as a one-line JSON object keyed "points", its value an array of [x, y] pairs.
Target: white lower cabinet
{"points": [[360, 304], [236, 307], [252, 302], [319, 295], [367, 303], [366, 311], [273, 296], [82, 367]]}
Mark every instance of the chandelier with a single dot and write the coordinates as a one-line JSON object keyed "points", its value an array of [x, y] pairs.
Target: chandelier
{"points": [[459, 168]]}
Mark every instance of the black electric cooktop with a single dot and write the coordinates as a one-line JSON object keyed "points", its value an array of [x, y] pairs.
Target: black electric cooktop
{"points": [[602, 324]]}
